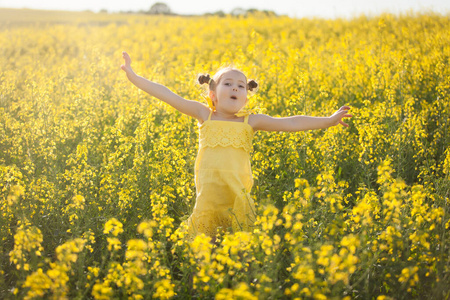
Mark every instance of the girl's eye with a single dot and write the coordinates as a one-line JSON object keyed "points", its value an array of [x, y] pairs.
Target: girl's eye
{"points": [[227, 83], [241, 86]]}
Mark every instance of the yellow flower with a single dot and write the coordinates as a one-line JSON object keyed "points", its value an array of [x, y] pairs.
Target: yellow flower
{"points": [[15, 193], [146, 228], [241, 292], [113, 244], [305, 274], [164, 289], [78, 201], [102, 291], [38, 284], [113, 226], [351, 242], [27, 242], [68, 252]]}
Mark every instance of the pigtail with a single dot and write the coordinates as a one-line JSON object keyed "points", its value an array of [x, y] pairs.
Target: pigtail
{"points": [[251, 85], [202, 79], [206, 79]]}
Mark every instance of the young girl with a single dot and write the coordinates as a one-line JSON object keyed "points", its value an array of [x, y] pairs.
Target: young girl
{"points": [[223, 176]]}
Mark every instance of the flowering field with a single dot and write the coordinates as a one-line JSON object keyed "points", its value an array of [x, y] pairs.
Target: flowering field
{"points": [[96, 177]]}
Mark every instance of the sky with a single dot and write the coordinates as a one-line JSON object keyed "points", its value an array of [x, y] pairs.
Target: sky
{"points": [[292, 8]]}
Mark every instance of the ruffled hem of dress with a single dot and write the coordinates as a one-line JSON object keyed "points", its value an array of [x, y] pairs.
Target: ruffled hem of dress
{"points": [[213, 222], [209, 223]]}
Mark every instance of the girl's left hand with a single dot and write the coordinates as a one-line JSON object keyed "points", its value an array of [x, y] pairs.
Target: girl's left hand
{"points": [[336, 118], [127, 65]]}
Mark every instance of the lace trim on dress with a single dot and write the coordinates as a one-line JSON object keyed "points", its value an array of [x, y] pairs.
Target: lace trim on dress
{"points": [[240, 136]]}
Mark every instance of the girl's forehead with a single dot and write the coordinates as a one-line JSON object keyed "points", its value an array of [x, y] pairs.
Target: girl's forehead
{"points": [[234, 74]]}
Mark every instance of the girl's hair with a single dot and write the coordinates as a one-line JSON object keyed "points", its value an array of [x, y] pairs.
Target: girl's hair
{"points": [[212, 82]]}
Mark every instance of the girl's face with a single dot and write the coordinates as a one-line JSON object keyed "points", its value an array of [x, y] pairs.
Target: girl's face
{"points": [[231, 92]]}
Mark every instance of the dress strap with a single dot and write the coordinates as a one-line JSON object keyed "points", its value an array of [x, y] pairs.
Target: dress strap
{"points": [[210, 114], [246, 119]]}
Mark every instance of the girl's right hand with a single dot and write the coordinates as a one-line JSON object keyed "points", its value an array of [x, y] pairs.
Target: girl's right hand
{"points": [[127, 66], [336, 118]]}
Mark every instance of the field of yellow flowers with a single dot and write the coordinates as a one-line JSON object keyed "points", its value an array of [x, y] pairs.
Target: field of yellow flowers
{"points": [[96, 177]]}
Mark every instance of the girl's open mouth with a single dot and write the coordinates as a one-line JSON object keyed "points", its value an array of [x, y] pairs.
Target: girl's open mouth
{"points": [[234, 97]]}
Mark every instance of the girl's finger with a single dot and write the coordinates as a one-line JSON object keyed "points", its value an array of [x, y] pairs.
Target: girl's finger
{"points": [[345, 108], [343, 123]]}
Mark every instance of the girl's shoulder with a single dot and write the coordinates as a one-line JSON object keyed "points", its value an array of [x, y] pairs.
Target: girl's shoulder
{"points": [[204, 114], [256, 120]]}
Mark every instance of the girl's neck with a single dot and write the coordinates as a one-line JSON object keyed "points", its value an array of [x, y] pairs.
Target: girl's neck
{"points": [[218, 115]]}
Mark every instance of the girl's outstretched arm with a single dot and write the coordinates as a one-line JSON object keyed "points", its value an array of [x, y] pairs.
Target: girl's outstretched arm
{"points": [[192, 108], [299, 123]]}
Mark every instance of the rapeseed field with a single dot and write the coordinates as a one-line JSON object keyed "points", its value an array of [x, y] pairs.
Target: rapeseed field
{"points": [[96, 176]]}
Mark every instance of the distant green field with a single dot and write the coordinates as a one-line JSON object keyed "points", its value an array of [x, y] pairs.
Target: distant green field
{"points": [[21, 17]]}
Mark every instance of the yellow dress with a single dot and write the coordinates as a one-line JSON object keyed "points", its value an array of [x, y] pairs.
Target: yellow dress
{"points": [[223, 179]]}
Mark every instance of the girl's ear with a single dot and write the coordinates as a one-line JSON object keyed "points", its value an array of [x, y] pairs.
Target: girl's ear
{"points": [[212, 95], [213, 98]]}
